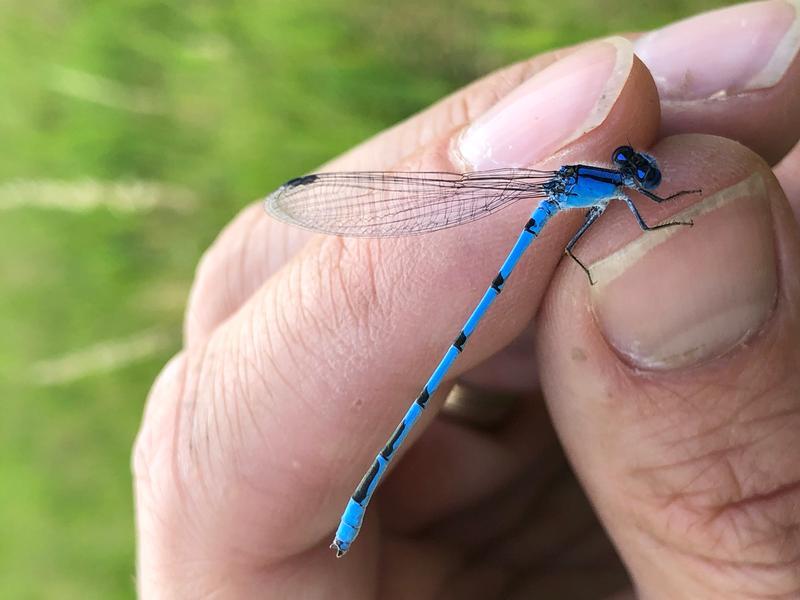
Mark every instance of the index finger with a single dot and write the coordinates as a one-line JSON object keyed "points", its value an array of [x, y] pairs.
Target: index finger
{"points": [[287, 401], [733, 72]]}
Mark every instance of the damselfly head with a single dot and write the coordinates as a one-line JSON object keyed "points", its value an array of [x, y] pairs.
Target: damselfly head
{"points": [[640, 167]]}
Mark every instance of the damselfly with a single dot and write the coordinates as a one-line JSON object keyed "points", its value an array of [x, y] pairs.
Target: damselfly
{"points": [[385, 204]]}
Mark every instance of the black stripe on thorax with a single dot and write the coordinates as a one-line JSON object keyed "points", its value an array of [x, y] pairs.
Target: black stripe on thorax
{"points": [[597, 177]]}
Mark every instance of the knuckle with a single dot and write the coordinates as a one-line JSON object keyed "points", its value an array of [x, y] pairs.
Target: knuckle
{"points": [[341, 290], [152, 449], [728, 496], [228, 273]]}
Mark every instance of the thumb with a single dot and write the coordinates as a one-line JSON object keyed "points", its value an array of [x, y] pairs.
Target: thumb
{"points": [[674, 381]]}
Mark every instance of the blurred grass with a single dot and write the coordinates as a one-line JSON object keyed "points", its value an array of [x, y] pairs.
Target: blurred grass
{"points": [[219, 102]]}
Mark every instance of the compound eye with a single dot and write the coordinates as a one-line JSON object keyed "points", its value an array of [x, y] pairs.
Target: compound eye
{"points": [[649, 178], [622, 155]]}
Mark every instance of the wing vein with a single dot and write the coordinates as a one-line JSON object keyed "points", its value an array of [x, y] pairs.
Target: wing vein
{"points": [[383, 204]]}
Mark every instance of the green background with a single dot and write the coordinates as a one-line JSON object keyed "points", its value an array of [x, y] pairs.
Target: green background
{"points": [[132, 131]]}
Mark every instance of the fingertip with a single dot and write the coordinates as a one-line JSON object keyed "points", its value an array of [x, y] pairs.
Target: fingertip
{"points": [[733, 72], [633, 118]]}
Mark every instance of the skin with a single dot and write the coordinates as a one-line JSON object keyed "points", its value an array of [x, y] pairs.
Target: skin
{"points": [[301, 352]]}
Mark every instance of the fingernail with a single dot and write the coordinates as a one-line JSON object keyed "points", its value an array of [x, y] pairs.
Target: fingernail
{"points": [[723, 52], [554, 107], [680, 296]]}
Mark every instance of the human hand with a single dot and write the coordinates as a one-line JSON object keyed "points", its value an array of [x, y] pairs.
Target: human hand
{"points": [[672, 384]]}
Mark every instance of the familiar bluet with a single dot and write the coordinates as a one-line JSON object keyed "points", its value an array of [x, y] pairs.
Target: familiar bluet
{"points": [[386, 204]]}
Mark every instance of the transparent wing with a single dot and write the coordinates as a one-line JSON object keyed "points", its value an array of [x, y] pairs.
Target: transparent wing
{"points": [[384, 204]]}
